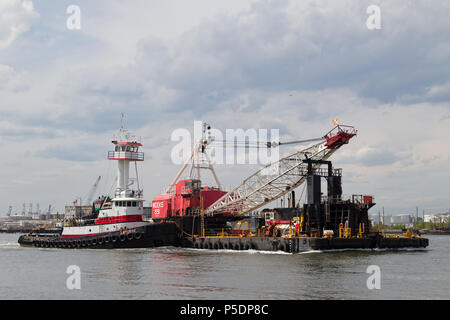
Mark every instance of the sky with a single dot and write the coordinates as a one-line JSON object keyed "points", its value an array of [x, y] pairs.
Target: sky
{"points": [[286, 64]]}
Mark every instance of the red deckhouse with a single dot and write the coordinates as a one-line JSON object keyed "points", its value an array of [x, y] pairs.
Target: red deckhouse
{"points": [[187, 197]]}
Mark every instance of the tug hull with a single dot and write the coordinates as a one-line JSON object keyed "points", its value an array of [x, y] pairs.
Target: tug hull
{"points": [[150, 236]]}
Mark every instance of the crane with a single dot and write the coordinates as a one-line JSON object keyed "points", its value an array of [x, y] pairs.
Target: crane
{"points": [[198, 159], [90, 195], [262, 187]]}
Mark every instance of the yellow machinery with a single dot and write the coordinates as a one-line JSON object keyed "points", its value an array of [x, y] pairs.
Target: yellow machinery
{"points": [[202, 218], [361, 230], [297, 220], [347, 233], [344, 232]]}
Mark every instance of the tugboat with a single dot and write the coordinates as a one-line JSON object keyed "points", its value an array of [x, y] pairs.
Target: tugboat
{"points": [[118, 223]]}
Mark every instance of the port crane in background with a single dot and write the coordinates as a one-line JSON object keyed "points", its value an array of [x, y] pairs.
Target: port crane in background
{"points": [[91, 193], [262, 187]]}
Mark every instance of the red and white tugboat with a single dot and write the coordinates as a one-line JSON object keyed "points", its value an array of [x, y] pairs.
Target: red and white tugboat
{"points": [[118, 223]]}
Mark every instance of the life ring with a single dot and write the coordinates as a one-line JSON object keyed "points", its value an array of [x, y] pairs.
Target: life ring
{"points": [[341, 225]]}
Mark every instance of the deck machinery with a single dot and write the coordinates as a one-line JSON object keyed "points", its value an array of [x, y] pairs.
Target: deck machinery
{"points": [[332, 212], [324, 222]]}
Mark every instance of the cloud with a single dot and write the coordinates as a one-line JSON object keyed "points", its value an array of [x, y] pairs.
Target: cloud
{"points": [[10, 80], [368, 156], [292, 65], [73, 152], [16, 17], [287, 45]]}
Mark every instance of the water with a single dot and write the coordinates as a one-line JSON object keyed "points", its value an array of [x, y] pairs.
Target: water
{"points": [[172, 273]]}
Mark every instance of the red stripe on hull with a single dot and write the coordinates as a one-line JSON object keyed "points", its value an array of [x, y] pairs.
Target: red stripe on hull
{"points": [[81, 235], [120, 219]]}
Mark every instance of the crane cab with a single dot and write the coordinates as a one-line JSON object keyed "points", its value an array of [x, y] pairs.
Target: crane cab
{"points": [[339, 136]]}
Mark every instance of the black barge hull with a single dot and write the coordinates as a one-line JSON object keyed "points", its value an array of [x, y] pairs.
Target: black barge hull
{"points": [[300, 244]]}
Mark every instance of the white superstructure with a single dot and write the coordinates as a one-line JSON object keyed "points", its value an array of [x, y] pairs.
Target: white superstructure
{"points": [[124, 211]]}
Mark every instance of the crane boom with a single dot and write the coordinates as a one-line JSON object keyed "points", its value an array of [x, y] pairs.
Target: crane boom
{"points": [[262, 187]]}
